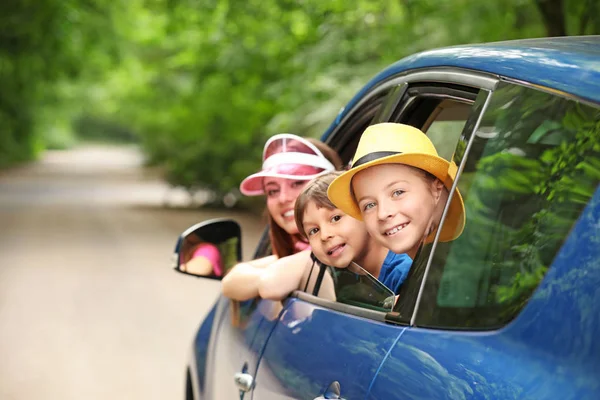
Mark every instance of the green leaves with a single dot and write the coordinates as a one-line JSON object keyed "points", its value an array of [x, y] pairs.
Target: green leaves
{"points": [[182, 72]]}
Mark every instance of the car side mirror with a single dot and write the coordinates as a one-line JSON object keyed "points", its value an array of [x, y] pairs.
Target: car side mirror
{"points": [[209, 249]]}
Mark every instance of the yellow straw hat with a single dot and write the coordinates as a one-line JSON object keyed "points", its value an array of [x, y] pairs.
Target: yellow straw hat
{"points": [[390, 143]]}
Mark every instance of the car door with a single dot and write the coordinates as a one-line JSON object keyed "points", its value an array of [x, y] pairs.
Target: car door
{"points": [[319, 346], [314, 348], [239, 333], [506, 310]]}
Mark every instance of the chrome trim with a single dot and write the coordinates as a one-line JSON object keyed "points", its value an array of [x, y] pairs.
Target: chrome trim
{"points": [[452, 190], [548, 90], [244, 381], [459, 76], [341, 307]]}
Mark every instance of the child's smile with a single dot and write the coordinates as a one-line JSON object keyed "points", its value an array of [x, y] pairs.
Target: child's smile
{"points": [[395, 229]]}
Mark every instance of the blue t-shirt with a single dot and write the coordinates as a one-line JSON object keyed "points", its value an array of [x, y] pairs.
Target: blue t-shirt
{"points": [[394, 270]]}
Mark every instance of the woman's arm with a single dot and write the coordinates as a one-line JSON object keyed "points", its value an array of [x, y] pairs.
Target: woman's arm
{"points": [[284, 276], [241, 283]]}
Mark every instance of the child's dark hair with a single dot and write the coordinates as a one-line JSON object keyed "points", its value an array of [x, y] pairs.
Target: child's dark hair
{"points": [[316, 191]]}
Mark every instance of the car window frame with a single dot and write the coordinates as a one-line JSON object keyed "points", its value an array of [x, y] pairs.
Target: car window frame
{"points": [[393, 91], [466, 140], [340, 307], [411, 291]]}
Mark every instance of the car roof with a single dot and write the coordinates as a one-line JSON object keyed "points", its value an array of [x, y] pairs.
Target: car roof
{"points": [[565, 64]]}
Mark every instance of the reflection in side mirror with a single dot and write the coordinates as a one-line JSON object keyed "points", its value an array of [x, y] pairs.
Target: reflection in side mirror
{"points": [[209, 249]]}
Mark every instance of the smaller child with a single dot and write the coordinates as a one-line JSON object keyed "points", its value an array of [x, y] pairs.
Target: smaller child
{"points": [[336, 239]]}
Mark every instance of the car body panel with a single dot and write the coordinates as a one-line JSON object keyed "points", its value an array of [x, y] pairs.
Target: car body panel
{"points": [[551, 350], [200, 352], [234, 346], [312, 346]]}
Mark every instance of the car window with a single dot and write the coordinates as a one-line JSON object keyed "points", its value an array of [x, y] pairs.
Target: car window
{"points": [[445, 126], [533, 165], [462, 119], [357, 287], [442, 112]]}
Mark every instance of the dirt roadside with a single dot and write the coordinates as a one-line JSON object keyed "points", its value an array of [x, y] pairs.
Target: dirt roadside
{"points": [[88, 305]]}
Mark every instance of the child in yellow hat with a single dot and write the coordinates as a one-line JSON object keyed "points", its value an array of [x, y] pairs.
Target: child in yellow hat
{"points": [[398, 185]]}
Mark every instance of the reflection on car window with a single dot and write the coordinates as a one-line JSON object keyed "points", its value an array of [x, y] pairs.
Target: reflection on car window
{"points": [[355, 286], [533, 166]]}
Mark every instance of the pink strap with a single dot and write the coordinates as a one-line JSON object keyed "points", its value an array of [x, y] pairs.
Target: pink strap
{"points": [[210, 252]]}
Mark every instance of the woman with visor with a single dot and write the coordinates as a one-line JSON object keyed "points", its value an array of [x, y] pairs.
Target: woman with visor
{"points": [[289, 162]]}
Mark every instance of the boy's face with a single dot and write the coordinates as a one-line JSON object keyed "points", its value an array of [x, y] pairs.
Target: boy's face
{"points": [[397, 204], [336, 239]]}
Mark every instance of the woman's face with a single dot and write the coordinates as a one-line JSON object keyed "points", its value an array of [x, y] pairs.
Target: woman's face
{"points": [[398, 204], [336, 239], [281, 198]]}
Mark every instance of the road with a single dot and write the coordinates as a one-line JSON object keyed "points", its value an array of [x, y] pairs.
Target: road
{"points": [[89, 308]]}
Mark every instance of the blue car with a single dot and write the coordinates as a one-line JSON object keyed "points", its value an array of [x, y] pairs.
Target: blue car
{"points": [[509, 310]]}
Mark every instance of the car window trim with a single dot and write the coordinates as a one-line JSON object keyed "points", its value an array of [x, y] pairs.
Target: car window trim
{"points": [[407, 316], [469, 134], [390, 103], [549, 90], [443, 75], [339, 143], [421, 92], [378, 316]]}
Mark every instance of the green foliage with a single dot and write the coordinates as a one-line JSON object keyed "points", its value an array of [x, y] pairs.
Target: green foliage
{"points": [[42, 44], [203, 84], [99, 129]]}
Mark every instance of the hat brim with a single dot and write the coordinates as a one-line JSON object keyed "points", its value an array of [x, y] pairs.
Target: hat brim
{"points": [[340, 190], [253, 184]]}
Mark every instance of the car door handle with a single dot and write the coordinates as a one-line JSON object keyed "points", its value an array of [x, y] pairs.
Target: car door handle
{"points": [[243, 381], [332, 392]]}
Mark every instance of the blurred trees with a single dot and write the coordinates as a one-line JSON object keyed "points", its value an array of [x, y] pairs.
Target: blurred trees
{"points": [[44, 44], [202, 84]]}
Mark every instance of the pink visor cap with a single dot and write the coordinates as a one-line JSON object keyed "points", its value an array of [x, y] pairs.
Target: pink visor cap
{"points": [[290, 157]]}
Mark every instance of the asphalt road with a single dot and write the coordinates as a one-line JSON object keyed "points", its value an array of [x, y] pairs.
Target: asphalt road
{"points": [[89, 307]]}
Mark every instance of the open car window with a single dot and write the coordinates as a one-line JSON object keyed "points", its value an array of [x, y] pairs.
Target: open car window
{"points": [[446, 111]]}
